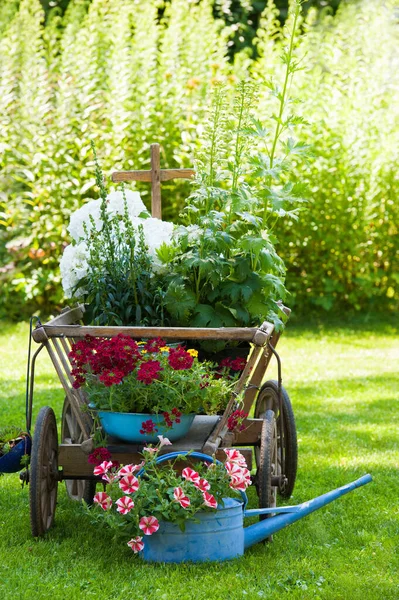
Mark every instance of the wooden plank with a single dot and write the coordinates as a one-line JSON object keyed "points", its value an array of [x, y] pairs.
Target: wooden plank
{"points": [[250, 435], [145, 176], [73, 461], [156, 202], [179, 333]]}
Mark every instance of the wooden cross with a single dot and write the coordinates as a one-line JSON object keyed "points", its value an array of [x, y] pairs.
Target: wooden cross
{"points": [[155, 175]]}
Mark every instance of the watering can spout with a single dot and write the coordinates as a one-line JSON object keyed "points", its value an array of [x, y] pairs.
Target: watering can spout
{"points": [[283, 516]]}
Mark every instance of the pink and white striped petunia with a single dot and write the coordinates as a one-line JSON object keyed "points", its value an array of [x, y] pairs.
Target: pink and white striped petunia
{"points": [[110, 477], [202, 485], [235, 456], [125, 505], [103, 468], [232, 468], [149, 525], [209, 500], [150, 450], [190, 475], [130, 469], [129, 484], [238, 482], [181, 498], [136, 544], [103, 500]]}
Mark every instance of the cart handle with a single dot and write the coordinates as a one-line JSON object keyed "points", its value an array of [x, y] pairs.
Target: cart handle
{"points": [[204, 457]]}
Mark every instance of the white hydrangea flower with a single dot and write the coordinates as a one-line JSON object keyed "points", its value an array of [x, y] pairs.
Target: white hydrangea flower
{"points": [[73, 266], [135, 205], [156, 232], [82, 215]]}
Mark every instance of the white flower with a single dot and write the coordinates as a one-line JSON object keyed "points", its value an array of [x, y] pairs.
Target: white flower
{"points": [[135, 206], [82, 215], [73, 266], [156, 232]]}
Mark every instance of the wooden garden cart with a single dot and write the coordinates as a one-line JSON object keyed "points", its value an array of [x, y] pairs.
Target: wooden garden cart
{"points": [[270, 433]]}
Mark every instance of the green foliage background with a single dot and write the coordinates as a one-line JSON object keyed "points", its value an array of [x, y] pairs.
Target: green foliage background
{"points": [[125, 74]]}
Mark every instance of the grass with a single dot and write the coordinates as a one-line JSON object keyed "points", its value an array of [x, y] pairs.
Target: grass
{"points": [[343, 382]]}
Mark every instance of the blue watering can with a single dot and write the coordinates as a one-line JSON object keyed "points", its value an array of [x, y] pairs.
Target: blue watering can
{"points": [[221, 535]]}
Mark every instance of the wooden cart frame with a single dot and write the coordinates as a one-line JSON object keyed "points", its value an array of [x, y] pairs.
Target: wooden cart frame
{"points": [[270, 432]]}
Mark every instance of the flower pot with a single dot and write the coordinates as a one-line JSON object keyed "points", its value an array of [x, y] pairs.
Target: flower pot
{"points": [[217, 536], [127, 426], [11, 462]]}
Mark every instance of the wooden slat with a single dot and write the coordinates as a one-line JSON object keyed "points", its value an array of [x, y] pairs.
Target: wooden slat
{"points": [[73, 460], [156, 203], [63, 359], [179, 333], [145, 176]]}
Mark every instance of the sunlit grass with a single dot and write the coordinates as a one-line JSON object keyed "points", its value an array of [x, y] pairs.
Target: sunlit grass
{"points": [[344, 387]]}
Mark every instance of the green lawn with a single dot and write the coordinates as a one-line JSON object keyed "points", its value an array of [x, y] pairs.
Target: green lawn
{"points": [[344, 387]]}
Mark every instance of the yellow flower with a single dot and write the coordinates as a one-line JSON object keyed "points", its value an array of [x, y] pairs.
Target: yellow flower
{"points": [[193, 352], [164, 349], [143, 351]]}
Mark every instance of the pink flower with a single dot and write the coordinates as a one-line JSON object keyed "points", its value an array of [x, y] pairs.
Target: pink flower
{"points": [[181, 498], [202, 485], [232, 468], [103, 500], [163, 441], [150, 450], [129, 484], [190, 475], [130, 469], [110, 477], [238, 482], [209, 500], [235, 456], [136, 544], [103, 468], [149, 525], [125, 505]]}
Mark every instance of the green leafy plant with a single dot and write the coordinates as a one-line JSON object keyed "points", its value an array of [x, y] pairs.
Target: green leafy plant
{"points": [[224, 269]]}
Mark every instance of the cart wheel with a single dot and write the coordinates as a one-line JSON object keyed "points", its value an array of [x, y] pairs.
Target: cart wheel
{"points": [[43, 472], [268, 399], [267, 458], [71, 433]]}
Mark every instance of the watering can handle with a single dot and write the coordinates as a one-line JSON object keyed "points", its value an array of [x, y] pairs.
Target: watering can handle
{"points": [[172, 455], [200, 456]]}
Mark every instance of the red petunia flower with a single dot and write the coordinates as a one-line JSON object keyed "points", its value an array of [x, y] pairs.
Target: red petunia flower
{"points": [[181, 498], [149, 525], [236, 420], [129, 484], [103, 500], [136, 544], [209, 500], [125, 505], [190, 475]]}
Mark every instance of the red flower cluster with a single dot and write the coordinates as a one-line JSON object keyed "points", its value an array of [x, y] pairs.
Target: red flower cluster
{"points": [[235, 364], [174, 416], [148, 427], [179, 359], [236, 419], [154, 345], [99, 455], [148, 371], [111, 359]]}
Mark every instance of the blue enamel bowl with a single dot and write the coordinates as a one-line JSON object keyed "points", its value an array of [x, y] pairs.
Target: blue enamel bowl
{"points": [[127, 426]]}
